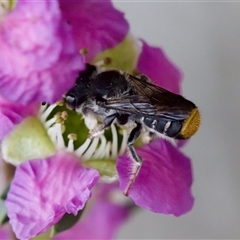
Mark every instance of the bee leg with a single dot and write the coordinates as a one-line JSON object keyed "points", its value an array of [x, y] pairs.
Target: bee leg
{"points": [[144, 78], [97, 131], [138, 160], [134, 134]]}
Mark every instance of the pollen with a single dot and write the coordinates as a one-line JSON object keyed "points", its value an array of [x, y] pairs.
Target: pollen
{"points": [[60, 103], [83, 51], [107, 60], [72, 136], [64, 115]]}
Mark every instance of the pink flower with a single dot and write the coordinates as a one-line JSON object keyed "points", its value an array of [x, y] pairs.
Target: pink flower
{"points": [[12, 114], [107, 214], [163, 183], [39, 62], [5, 233], [102, 27], [153, 63], [37, 199]]}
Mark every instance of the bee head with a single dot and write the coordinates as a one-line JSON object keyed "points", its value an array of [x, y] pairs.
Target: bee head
{"points": [[77, 95]]}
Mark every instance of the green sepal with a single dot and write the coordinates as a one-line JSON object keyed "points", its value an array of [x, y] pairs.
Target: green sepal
{"points": [[3, 213], [67, 221], [28, 140], [44, 236], [105, 167], [124, 56], [4, 193]]}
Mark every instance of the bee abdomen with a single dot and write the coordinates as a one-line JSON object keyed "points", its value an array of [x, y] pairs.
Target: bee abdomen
{"points": [[168, 128]]}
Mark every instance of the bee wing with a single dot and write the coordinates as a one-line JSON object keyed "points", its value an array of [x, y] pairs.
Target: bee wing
{"points": [[161, 99], [140, 106]]}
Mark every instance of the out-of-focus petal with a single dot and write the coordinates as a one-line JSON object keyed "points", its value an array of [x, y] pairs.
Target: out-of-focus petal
{"points": [[12, 113], [154, 64], [102, 219], [96, 25], [39, 60], [163, 183], [42, 191], [5, 233]]}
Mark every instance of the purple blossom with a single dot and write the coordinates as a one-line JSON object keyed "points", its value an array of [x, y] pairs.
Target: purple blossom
{"points": [[163, 183], [44, 66], [153, 63], [102, 26], [39, 45], [12, 113], [37, 199], [106, 214], [39, 60], [5, 233]]}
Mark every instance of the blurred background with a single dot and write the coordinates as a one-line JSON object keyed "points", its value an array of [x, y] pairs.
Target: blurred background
{"points": [[203, 39]]}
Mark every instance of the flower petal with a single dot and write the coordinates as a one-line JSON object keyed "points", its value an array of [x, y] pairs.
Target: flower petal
{"points": [[39, 60], [43, 190], [154, 64], [163, 183], [5, 232], [102, 220], [96, 25], [12, 114]]}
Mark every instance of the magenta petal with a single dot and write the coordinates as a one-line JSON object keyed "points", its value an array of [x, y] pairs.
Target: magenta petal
{"points": [[11, 114], [163, 183], [39, 60], [101, 221], [5, 233], [42, 191], [154, 64], [96, 25]]}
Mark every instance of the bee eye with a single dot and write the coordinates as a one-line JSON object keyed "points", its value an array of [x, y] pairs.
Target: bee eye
{"points": [[70, 101]]}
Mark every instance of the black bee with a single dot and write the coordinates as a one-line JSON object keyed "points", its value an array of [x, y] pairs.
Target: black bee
{"points": [[114, 95]]}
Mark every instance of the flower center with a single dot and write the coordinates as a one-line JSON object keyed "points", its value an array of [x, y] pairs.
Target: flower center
{"points": [[68, 131]]}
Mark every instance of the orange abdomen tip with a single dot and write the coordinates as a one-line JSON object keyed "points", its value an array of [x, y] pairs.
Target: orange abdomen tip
{"points": [[190, 124]]}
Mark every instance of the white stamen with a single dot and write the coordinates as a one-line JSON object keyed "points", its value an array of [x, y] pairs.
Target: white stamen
{"points": [[100, 152], [42, 109], [114, 142], [52, 134], [99, 63], [49, 123], [44, 115], [60, 141], [107, 150], [124, 142], [70, 147], [79, 152], [91, 149]]}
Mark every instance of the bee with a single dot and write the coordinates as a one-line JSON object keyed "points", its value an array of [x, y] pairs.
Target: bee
{"points": [[115, 96]]}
